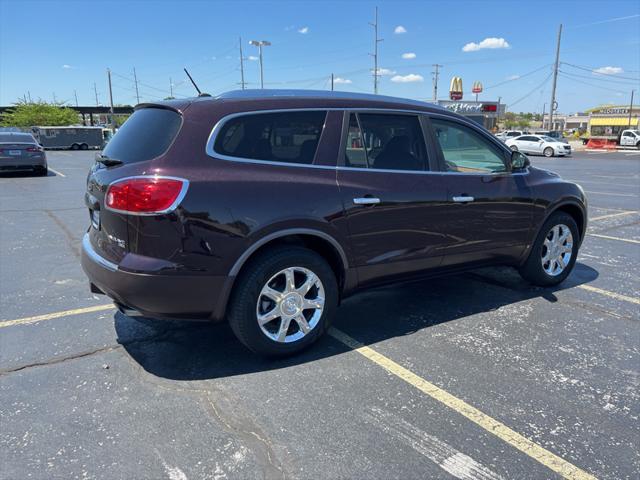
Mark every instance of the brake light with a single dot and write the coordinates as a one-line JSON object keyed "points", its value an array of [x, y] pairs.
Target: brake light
{"points": [[146, 195], [35, 149]]}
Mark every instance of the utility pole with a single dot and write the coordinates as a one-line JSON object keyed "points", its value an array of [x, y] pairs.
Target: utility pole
{"points": [[553, 104], [436, 74], [135, 79], [376, 41], [544, 107], [260, 44], [55, 101], [242, 83], [630, 108], [332, 82], [75, 94], [95, 90], [170, 87], [113, 120], [498, 112]]}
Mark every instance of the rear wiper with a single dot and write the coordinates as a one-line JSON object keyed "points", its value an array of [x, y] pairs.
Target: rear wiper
{"points": [[108, 162]]}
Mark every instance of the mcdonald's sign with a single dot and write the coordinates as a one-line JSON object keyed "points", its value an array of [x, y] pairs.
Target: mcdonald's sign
{"points": [[477, 87], [455, 89]]}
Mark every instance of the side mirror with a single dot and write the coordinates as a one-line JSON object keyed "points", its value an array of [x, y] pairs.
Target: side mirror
{"points": [[519, 161]]}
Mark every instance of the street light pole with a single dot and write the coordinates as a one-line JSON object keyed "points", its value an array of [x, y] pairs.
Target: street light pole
{"points": [[260, 44], [630, 108]]}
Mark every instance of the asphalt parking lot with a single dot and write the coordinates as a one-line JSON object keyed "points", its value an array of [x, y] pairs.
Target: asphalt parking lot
{"points": [[475, 376]]}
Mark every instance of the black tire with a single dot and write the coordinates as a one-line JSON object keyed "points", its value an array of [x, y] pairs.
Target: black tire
{"points": [[513, 148], [42, 171], [75, 146], [84, 146], [532, 270], [548, 152], [242, 306], [638, 145]]}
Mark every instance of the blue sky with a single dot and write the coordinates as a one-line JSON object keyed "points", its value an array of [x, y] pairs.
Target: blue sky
{"points": [[61, 46]]}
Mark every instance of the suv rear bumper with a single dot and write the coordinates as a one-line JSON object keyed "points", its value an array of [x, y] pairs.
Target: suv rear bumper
{"points": [[159, 295]]}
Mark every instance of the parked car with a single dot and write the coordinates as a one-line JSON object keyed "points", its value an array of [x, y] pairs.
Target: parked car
{"points": [[630, 138], [73, 138], [539, 145], [555, 134], [507, 134], [20, 152], [267, 208]]}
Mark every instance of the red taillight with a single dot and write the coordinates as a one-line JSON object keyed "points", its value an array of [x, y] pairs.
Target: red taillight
{"points": [[35, 149], [145, 195]]}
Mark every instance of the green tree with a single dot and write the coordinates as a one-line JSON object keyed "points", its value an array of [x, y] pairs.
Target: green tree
{"points": [[523, 123], [38, 113]]}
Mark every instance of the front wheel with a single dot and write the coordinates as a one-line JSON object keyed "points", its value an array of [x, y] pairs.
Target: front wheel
{"points": [[554, 251], [548, 152], [513, 148], [283, 301]]}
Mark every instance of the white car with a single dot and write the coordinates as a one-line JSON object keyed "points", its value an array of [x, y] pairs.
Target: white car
{"points": [[539, 145], [630, 138], [507, 134]]}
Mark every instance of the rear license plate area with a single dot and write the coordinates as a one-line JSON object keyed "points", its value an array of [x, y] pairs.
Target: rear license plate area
{"points": [[15, 153]]}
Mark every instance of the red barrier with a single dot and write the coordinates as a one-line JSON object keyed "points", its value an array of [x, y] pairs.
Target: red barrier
{"points": [[601, 144]]}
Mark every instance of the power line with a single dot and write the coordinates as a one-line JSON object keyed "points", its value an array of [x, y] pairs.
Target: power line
{"points": [[533, 90], [594, 71], [600, 78], [562, 74]]}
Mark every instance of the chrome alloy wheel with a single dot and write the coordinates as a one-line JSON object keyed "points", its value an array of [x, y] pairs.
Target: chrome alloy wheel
{"points": [[557, 250], [290, 305]]}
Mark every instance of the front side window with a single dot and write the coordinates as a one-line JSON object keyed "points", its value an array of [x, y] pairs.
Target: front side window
{"points": [[290, 137], [466, 151], [385, 142]]}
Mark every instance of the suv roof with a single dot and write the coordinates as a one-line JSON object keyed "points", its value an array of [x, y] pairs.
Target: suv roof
{"points": [[293, 99]]}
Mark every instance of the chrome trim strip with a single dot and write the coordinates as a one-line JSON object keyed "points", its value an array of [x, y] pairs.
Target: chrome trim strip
{"points": [[171, 208], [95, 257]]}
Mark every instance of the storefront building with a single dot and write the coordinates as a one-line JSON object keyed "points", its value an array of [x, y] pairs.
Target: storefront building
{"points": [[484, 113], [607, 123]]}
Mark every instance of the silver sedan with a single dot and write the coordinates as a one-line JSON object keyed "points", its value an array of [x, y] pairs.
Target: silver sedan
{"points": [[539, 145], [20, 152]]}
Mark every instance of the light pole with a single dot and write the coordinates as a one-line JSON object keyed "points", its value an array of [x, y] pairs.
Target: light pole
{"points": [[260, 44]]}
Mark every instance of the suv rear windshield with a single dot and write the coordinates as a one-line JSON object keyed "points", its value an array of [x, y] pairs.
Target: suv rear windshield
{"points": [[145, 135], [290, 137]]}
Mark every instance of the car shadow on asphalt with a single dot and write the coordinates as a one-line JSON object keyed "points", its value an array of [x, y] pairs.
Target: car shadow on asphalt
{"points": [[181, 350]]}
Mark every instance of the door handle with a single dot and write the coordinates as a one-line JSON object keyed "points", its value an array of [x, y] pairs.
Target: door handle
{"points": [[366, 200], [463, 199]]}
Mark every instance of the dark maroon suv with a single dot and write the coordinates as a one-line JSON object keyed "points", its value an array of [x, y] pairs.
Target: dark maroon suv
{"points": [[265, 208]]}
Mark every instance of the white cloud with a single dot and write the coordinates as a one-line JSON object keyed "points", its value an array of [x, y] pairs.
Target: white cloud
{"points": [[304, 30], [412, 77], [385, 71], [513, 77], [409, 56], [252, 58], [67, 67], [490, 42], [341, 80], [400, 29], [608, 70]]}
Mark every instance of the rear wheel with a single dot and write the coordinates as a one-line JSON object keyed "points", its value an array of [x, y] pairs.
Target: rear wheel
{"points": [[638, 145], [42, 171], [548, 152], [554, 252], [75, 146], [84, 146], [283, 301]]}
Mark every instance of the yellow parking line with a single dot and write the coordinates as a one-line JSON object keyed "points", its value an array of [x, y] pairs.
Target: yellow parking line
{"points": [[51, 316], [491, 425], [615, 295], [611, 215], [628, 240]]}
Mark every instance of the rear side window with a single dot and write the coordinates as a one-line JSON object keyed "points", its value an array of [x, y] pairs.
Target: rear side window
{"points": [[385, 142], [145, 135], [290, 137]]}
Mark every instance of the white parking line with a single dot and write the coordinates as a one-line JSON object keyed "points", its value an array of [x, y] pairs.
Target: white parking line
{"points": [[611, 215], [612, 194], [628, 240], [57, 172]]}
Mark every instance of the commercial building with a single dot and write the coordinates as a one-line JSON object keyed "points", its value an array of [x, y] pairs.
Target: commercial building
{"points": [[608, 122], [485, 113]]}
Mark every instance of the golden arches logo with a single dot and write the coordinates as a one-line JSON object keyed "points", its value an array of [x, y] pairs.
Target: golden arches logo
{"points": [[455, 88]]}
